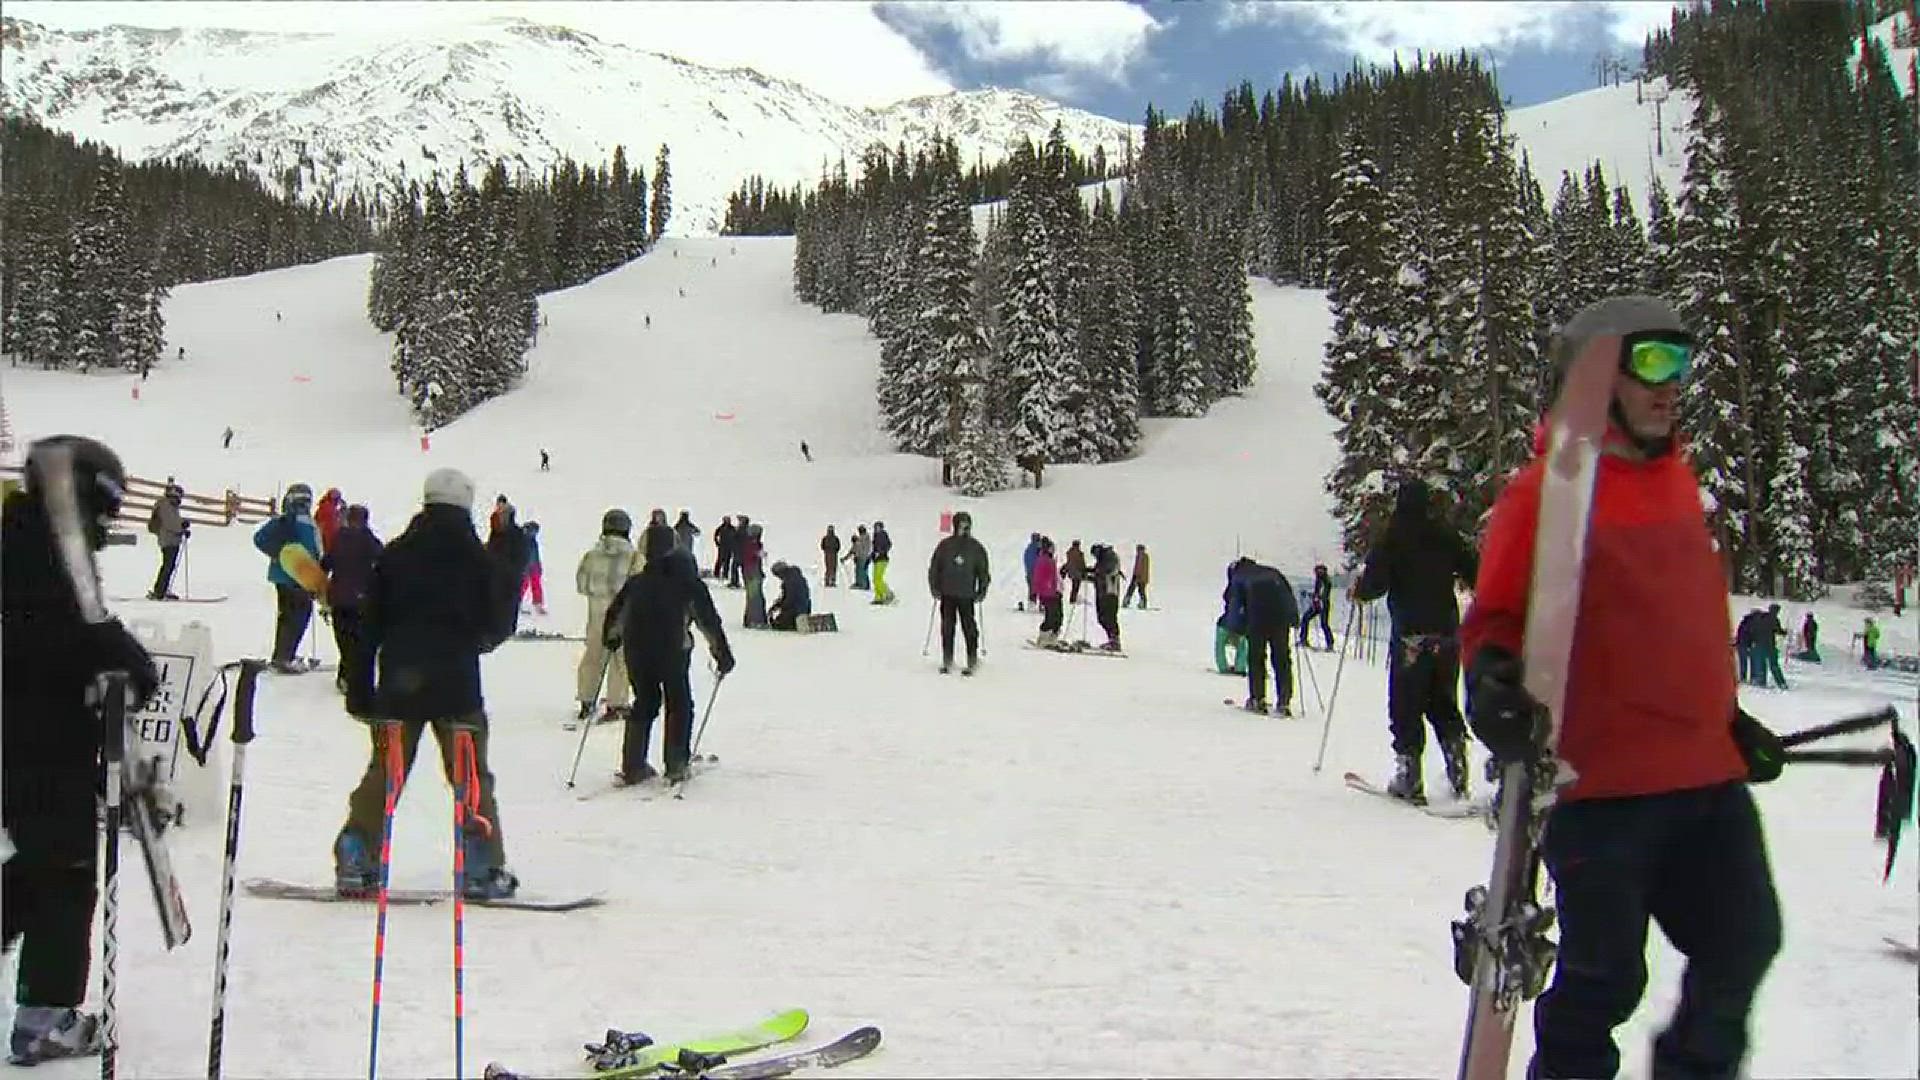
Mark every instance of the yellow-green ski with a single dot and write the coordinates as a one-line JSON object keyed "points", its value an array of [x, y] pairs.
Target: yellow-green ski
{"points": [[778, 1028]]}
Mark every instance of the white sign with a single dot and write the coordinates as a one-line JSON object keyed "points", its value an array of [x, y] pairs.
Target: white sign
{"points": [[185, 666]]}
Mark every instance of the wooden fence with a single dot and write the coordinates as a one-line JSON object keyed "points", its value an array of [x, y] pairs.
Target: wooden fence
{"points": [[218, 511]]}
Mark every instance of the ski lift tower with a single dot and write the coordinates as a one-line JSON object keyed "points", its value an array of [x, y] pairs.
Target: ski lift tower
{"points": [[1657, 93]]}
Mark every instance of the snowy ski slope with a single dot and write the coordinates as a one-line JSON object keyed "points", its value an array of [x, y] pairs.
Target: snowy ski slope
{"points": [[1063, 866]]}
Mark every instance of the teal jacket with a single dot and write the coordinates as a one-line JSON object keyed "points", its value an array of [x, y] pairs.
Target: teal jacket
{"points": [[278, 533]]}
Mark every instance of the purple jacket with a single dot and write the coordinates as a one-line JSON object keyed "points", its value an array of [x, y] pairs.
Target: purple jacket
{"points": [[349, 566]]}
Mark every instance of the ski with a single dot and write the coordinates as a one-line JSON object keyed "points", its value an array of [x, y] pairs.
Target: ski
{"points": [[648, 1057], [1077, 648], [852, 1046], [1902, 950], [141, 813], [276, 889], [169, 600], [1241, 707], [1452, 810], [544, 635]]}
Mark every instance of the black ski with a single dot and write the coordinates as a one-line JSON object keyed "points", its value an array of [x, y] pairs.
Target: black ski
{"points": [[852, 1046], [275, 889]]}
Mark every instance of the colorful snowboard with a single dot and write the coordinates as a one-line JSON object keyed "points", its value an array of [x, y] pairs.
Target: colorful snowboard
{"points": [[302, 567], [274, 889], [777, 1028]]}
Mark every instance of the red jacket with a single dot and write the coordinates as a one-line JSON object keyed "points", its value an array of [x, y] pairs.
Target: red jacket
{"points": [[328, 517], [1651, 691]]}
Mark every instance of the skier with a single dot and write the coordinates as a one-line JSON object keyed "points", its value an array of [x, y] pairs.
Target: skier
{"points": [[794, 601], [1260, 600], [805, 451], [531, 582], [1138, 582], [752, 569], [1076, 571], [171, 530], [1766, 648], [1046, 588], [1414, 566], [436, 603], [686, 534], [861, 556], [734, 570], [501, 509], [602, 571], [349, 566], [882, 552], [1319, 605], [1027, 559], [1658, 822], [957, 576], [507, 543], [326, 517], [1870, 645], [53, 658], [546, 462], [294, 526], [1746, 645], [723, 536], [651, 622], [830, 555], [1107, 583], [226, 439]]}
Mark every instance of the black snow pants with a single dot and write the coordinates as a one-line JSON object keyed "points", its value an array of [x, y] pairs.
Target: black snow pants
{"points": [[1695, 862], [1050, 614], [346, 638], [1423, 683], [658, 681], [1316, 610], [952, 608], [1106, 611], [1270, 646], [47, 889], [163, 581], [295, 610]]}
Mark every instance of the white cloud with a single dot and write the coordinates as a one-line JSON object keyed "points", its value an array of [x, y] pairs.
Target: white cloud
{"points": [[842, 50], [1097, 36], [1379, 31]]}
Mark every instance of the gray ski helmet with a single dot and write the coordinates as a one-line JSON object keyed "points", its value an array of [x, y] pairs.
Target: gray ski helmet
{"points": [[616, 521], [98, 477], [1616, 316], [297, 500]]}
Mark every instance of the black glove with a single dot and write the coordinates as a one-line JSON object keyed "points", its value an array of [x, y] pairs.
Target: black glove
{"points": [[1500, 710], [1759, 748], [723, 660], [121, 651], [186, 530]]}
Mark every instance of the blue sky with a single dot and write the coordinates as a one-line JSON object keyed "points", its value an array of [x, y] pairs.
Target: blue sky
{"points": [[1109, 56]]}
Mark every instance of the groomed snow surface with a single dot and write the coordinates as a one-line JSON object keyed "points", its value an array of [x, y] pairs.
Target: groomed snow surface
{"points": [[1062, 866]]}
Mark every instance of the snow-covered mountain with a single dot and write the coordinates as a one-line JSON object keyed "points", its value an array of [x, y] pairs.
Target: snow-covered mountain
{"points": [[340, 111]]}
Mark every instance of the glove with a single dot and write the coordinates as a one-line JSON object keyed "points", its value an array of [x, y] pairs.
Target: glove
{"points": [[1759, 748], [1499, 708], [611, 640], [186, 530], [723, 660], [121, 651]]}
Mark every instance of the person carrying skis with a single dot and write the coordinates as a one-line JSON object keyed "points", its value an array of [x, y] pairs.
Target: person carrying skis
{"points": [[794, 601], [882, 552], [51, 658], [651, 624], [532, 582], [1075, 571], [1319, 606], [1027, 558], [723, 534], [1137, 583], [830, 556], [686, 534], [1267, 613], [349, 566], [171, 529], [958, 577], [1046, 586], [326, 516], [861, 556], [293, 602], [1415, 566], [1107, 583], [437, 601], [602, 571], [1658, 822]]}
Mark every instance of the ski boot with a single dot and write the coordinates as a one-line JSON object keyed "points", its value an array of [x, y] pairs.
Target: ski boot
{"points": [[615, 714], [355, 870], [485, 878], [946, 664], [1112, 644], [48, 1032], [1255, 705], [973, 664], [1284, 709], [1048, 639], [640, 776], [618, 1050], [1454, 753], [677, 772], [1407, 783], [586, 710]]}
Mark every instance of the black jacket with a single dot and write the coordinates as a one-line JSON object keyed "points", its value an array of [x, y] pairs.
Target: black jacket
{"points": [[349, 566], [796, 597], [1414, 567], [723, 538], [656, 612], [1271, 607], [958, 569], [433, 607], [49, 659]]}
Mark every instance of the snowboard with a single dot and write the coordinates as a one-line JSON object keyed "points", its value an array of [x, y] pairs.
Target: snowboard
{"points": [[777, 1028], [852, 1046], [275, 889], [302, 567], [1451, 809]]}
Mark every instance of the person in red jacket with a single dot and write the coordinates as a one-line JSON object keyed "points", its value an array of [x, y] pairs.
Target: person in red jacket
{"points": [[1659, 822], [327, 517]]}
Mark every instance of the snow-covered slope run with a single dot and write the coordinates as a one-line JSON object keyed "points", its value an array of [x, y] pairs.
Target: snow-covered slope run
{"points": [[353, 110], [1614, 125], [1063, 866]]}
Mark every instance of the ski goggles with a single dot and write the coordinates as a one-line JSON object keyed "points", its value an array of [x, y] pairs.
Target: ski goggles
{"points": [[1656, 358]]}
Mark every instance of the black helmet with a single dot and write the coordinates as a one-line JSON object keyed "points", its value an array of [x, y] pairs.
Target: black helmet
{"points": [[964, 520], [616, 521], [659, 541], [83, 469]]}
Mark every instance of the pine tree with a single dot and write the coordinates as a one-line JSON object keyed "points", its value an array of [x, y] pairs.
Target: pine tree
{"points": [[662, 209], [1179, 376], [1037, 368], [954, 350], [980, 456], [99, 271], [1662, 242], [1109, 307]]}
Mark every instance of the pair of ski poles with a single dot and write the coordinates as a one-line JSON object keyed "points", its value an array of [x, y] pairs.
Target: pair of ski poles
{"points": [[933, 613], [586, 724]]}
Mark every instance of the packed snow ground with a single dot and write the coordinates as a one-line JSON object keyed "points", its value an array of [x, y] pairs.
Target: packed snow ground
{"points": [[1063, 866]]}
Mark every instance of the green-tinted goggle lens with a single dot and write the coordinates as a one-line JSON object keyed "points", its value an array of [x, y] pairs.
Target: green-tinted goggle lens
{"points": [[1659, 362]]}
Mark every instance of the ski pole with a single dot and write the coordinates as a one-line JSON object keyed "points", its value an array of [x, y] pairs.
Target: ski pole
{"points": [[927, 645], [586, 723], [186, 566], [1882, 756], [387, 733], [1333, 696], [113, 718], [1844, 726], [466, 798], [242, 735], [694, 753]]}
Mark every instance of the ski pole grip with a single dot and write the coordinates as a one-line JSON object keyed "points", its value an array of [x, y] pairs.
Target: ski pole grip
{"points": [[1844, 726], [243, 702]]}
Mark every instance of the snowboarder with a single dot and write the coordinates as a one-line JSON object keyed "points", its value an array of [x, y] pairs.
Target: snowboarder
{"points": [[1319, 606], [1046, 588], [806, 451], [651, 623], [1658, 822], [882, 553], [861, 555], [1415, 566], [685, 535], [172, 530], [794, 601], [1107, 583], [1141, 575], [437, 602], [1809, 640], [723, 547], [349, 566], [326, 517], [830, 556], [546, 462], [1076, 571], [753, 572], [957, 576], [1261, 605], [293, 603], [1028, 557], [602, 571], [226, 439], [52, 753], [531, 582]]}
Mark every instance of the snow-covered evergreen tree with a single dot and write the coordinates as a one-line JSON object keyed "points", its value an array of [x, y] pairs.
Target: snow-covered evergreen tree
{"points": [[1109, 315], [954, 351], [99, 273], [979, 458], [661, 209]]}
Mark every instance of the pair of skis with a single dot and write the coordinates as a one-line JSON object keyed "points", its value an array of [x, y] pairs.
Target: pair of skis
{"points": [[626, 1055]]}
